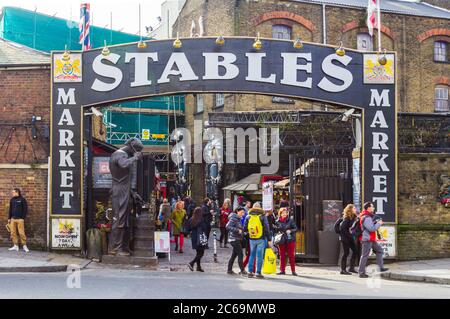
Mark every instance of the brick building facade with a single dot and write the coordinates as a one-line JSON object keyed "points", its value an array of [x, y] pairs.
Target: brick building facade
{"points": [[25, 92], [415, 32]]}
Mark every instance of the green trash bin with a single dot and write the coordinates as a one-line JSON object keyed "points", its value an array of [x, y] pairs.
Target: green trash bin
{"points": [[94, 244]]}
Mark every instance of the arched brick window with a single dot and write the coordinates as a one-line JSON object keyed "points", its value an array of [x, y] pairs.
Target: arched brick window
{"points": [[441, 51], [441, 99], [280, 31], [364, 42]]}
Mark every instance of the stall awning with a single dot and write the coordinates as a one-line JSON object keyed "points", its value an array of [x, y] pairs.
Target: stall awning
{"points": [[249, 183], [282, 184]]}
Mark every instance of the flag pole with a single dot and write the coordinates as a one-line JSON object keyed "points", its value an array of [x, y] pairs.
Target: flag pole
{"points": [[379, 24]]}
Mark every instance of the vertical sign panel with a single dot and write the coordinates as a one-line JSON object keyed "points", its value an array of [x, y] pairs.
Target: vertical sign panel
{"points": [[66, 136]]}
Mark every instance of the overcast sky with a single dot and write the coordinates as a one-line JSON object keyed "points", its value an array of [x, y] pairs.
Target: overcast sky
{"points": [[125, 13]]}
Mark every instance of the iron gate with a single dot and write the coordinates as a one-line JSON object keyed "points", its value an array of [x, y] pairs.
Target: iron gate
{"points": [[313, 180]]}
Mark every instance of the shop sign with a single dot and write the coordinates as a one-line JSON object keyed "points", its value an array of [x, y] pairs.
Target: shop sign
{"points": [[66, 233]]}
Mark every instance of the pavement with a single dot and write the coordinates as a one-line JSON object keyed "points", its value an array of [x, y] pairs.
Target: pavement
{"points": [[435, 271], [431, 271], [38, 261]]}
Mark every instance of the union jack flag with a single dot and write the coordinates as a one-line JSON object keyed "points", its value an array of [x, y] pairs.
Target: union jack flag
{"points": [[372, 16], [85, 23]]}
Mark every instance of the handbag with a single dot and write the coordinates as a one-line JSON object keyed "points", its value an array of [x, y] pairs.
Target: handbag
{"points": [[279, 239], [202, 239]]}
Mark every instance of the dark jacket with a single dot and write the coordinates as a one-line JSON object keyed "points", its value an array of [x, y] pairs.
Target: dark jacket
{"points": [[264, 222], [201, 227], [233, 226], [18, 208], [207, 216], [281, 226], [271, 220], [345, 234]]}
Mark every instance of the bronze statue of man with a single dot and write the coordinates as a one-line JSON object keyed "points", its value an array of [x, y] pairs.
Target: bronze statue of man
{"points": [[120, 165]]}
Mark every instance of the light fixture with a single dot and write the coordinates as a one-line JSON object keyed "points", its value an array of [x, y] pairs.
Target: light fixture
{"points": [[220, 40], [298, 44], [383, 60], [257, 45], [105, 50], [177, 43], [340, 51], [141, 44], [66, 54]]}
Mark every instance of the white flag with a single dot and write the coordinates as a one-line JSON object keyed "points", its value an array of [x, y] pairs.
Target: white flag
{"points": [[372, 16]]}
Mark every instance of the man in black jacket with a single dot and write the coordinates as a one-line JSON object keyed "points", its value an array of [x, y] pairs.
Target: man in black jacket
{"points": [[18, 210], [207, 213], [236, 235]]}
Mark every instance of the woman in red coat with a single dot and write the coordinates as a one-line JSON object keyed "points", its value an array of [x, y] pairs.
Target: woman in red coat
{"points": [[225, 211]]}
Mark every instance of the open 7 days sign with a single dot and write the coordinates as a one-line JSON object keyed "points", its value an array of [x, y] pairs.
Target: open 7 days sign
{"points": [[315, 72]]}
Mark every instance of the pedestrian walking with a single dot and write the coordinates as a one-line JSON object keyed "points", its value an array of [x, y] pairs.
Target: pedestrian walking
{"points": [[177, 219], [257, 227], [236, 233], [164, 214], [285, 229], [369, 226], [198, 227], [18, 209], [349, 217], [207, 212], [225, 211]]}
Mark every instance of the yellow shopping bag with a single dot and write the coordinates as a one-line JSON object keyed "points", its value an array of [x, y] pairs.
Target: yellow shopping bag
{"points": [[270, 262]]}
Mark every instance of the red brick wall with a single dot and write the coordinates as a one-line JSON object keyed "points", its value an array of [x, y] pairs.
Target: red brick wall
{"points": [[24, 93], [33, 184]]}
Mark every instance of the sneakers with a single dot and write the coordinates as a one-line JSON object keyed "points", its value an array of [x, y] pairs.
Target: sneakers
{"points": [[384, 269], [294, 274], [251, 275], [231, 272], [200, 270], [259, 276], [25, 249], [352, 270], [281, 273], [363, 276], [14, 248], [243, 273], [344, 272]]}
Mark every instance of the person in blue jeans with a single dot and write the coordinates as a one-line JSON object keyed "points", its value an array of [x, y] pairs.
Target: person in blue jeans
{"points": [[257, 228]]}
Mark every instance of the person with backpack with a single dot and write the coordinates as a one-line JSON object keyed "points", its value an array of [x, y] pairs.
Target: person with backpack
{"points": [[164, 214], [285, 229], [198, 227], [177, 219], [369, 227], [236, 232], [257, 228], [225, 211], [346, 237]]}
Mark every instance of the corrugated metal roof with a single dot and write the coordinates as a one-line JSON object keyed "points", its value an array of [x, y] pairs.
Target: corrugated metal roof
{"points": [[12, 53], [392, 6]]}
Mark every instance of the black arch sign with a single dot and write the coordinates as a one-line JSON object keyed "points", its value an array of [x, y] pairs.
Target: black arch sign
{"points": [[314, 72]]}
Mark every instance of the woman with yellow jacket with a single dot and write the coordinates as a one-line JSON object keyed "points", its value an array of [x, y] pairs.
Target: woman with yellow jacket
{"points": [[177, 218]]}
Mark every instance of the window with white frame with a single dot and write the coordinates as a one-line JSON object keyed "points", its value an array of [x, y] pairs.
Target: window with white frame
{"points": [[220, 100], [441, 99], [200, 104], [280, 31], [364, 42], [440, 51]]}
